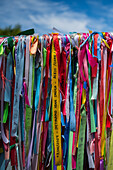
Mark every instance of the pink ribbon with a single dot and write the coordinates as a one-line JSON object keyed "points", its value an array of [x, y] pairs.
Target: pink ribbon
{"points": [[91, 60]]}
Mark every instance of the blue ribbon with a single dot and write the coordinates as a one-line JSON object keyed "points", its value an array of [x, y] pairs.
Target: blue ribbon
{"points": [[18, 85], [65, 145], [72, 113], [85, 85], [93, 46], [99, 48], [9, 75]]}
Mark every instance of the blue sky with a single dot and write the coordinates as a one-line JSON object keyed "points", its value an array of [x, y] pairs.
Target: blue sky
{"points": [[67, 16]]}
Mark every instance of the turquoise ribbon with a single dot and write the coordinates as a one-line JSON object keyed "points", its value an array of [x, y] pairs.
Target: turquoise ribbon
{"points": [[72, 113], [38, 77]]}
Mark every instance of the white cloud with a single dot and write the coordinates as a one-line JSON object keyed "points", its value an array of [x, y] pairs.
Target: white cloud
{"points": [[63, 21]]}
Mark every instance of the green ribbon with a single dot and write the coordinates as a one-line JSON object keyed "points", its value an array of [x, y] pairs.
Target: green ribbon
{"points": [[5, 116], [44, 57], [81, 142], [93, 128], [10, 43], [1, 49], [28, 125], [69, 163]]}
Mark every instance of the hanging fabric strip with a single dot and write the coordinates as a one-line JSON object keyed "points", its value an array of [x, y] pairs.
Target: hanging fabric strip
{"points": [[18, 157], [12, 139], [6, 110], [25, 93], [81, 142], [112, 82], [41, 81], [101, 89], [91, 162], [38, 74], [52, 142], [72, 113], [20, 148], [7, 149], [27, 60], [95, 85], [90, 157], [31, 145], [57, 49], [63, 79], [86, 69], [46, 78], [94, 69], [18, 85], [110, 162], [99, 48], [30, 79], [40, 94], [67, 99], [45, 124], [69, 163], [78, 103], [6, 141], [93, 128], [97, 158], [91, 60], [75, 93], [7, 93], [56, 108], [105, 103]]}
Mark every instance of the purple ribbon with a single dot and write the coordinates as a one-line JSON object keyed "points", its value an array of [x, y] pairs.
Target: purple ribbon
{"points": [[31, 145], [88, 108], [101, 164]]}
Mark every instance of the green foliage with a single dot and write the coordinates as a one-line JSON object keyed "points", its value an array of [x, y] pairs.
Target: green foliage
{"points": [[9, 31]]}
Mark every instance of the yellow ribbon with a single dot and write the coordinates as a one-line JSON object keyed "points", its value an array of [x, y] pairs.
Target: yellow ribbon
{"points": [[59, 167], [56, 109], [83, 96], [105, 43], [110, 163]]}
